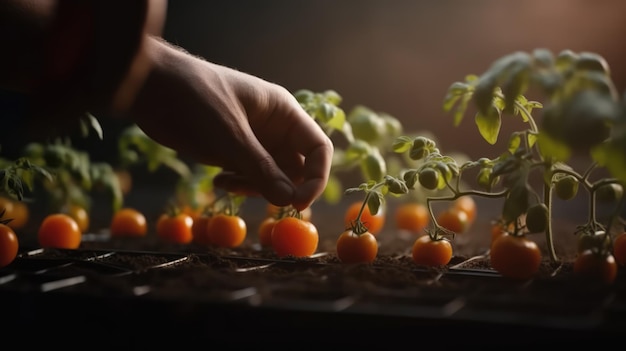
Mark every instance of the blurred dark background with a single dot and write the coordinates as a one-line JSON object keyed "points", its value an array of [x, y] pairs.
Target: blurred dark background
{"points": [[395, 56]]}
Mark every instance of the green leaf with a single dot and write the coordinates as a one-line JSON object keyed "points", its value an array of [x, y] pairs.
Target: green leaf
{"points": [[489, 125], [402, 144]]}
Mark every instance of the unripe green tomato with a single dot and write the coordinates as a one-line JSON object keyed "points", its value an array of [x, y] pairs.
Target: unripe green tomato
{"points": [[429, 178], [609, 193], [537, 218], [566, 188], [367, 125]]}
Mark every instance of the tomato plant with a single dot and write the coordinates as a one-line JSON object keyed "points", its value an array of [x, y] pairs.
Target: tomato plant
{"points": [[515, 256], [596, 266], [175, 228], [59, 230], [412, 216], [292, 236], [431, 251], [360, 211], [227, 230], [9, 245], [128, 222]]}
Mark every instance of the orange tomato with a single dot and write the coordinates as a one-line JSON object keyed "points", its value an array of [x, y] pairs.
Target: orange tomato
{"points": [[413, 217], [294, 237], [19, 215], [59, 230], [265, 231], [596, 266], [356, 248], [80, 215], [200, 230], [373, 222], [466, 204], [128, 222], [429, 252], [619, 249], [227, 230], [454, 220], [175, 228], [9, 245], [515, 256]]}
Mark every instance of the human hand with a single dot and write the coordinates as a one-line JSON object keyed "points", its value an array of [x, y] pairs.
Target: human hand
{"points": [[254, 130]]}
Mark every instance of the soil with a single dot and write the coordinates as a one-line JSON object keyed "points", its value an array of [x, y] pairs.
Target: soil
{"points": [[141, 292]]}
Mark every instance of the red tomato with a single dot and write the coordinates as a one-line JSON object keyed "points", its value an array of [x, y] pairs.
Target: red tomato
{"points": [[619, 249], [294, 237], [356, 248], [429, 252], [265, 231], [175, 229], [374, 223], [200, 230], [128, 222], [59, 230], [596, 266], [412, 217], [8, 245], [497, 230], [454, 220], [466, 204], [227, 230], [515, 256]]}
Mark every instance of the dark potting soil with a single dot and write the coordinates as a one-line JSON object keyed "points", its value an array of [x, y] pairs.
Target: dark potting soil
{"points": [[140, 291]]}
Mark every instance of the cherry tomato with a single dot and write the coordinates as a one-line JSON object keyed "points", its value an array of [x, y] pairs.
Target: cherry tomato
{"points": [[412, 216], [596, 266], [429, 252], [59, 230], [9, 245], [19, 214], [128, 222], [537, 218], [227, 230], [566, 188], [80, 215], [468, 205], [294, 237], [265, 231], [374, 223], [454, 220], [356, 248], [200, 230], [619, 249], [175, 228], [515, 256]]}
